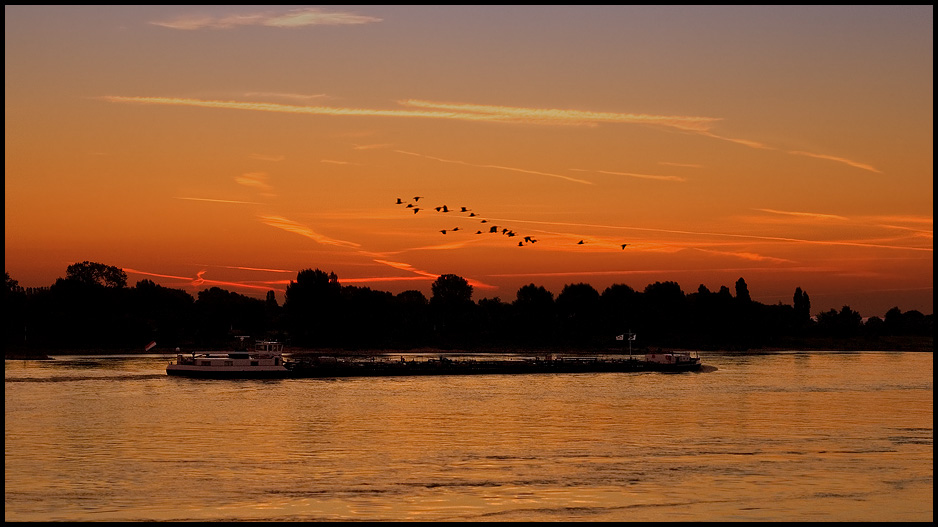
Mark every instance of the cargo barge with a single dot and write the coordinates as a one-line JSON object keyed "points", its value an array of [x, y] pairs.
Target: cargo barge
{"points": [[323, 366], [267, 361]]}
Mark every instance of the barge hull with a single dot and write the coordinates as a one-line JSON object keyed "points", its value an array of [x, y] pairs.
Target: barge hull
{"points": [[389, 369]]}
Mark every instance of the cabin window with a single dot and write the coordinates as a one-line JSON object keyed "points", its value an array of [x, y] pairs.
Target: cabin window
{"points": [[229, 363], [254, 363]]}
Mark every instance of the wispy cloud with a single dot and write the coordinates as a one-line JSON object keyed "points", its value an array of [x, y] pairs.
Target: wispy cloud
{"points": [[497, 167], [200, 281], [744, 142], [924, 220], [298, 96], [405, 267], [813, 215], [634, 175], [156, 275], [220, 200], [745, 255], [422, 275], [375, 279], [925, 233], [763, 146], [255, 180], [847, 243], [290, 19], [466, 112], [695, 272], [372, 147], [308, 110], [256, 269], [854, 164], [297, 228], [446, 246], [560, 274], [561, 116], [486, 113]]}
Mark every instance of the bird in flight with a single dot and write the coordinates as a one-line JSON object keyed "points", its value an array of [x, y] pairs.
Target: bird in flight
{"points": [[492, 229], [624, 245], [581, 242]]}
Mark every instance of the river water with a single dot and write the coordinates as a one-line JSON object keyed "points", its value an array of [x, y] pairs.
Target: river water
{"points": [[783, 436]]}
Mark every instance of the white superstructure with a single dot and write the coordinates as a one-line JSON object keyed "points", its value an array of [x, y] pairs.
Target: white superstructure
{"points": [[265, 361]]}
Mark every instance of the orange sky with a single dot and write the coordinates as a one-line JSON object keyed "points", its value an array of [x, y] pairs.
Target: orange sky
{"points": [[236, 145]]}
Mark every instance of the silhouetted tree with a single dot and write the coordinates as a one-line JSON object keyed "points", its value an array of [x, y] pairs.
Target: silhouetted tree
{"points": [[493, 322], [710, 319], [578, 314], [273, 313], [846, 323], [271, 300], [451, 290], [533, 296], [534, 316], [10, 285], [620, 305], [96, 273], [93, 308], [14, 312], [312, 306], [412, 313], [161, 314], [909, 323], [82, 314], [451, 306], [802, 305], [365, 320], [742, 291], [874, 327], [222, 315], [664, 309]]}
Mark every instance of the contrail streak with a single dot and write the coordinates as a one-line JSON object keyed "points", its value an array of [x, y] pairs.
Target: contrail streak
{"points": [[497, 167]]}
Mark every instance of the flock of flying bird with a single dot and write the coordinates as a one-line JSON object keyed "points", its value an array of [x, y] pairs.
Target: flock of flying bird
{"points": [[492, 229]]}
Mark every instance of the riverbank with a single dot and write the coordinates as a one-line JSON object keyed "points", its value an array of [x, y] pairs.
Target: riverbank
{"points": [[885, 343]]}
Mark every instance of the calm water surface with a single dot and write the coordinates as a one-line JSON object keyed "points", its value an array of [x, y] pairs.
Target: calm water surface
{"points": [[798, 436]]}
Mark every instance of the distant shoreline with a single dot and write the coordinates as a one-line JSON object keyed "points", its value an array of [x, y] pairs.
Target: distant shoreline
{"points": [[892, 343]]}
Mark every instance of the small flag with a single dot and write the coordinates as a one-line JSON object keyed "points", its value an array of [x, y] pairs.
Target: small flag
{"points": [[632, 336], [620, 337], [150, 346]]}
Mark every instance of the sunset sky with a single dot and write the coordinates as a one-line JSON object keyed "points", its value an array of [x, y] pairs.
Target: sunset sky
{"points": [[234, 146]]}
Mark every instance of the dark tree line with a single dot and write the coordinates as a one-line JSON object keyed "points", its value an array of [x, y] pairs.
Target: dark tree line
{"points": [[93, 308]]}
